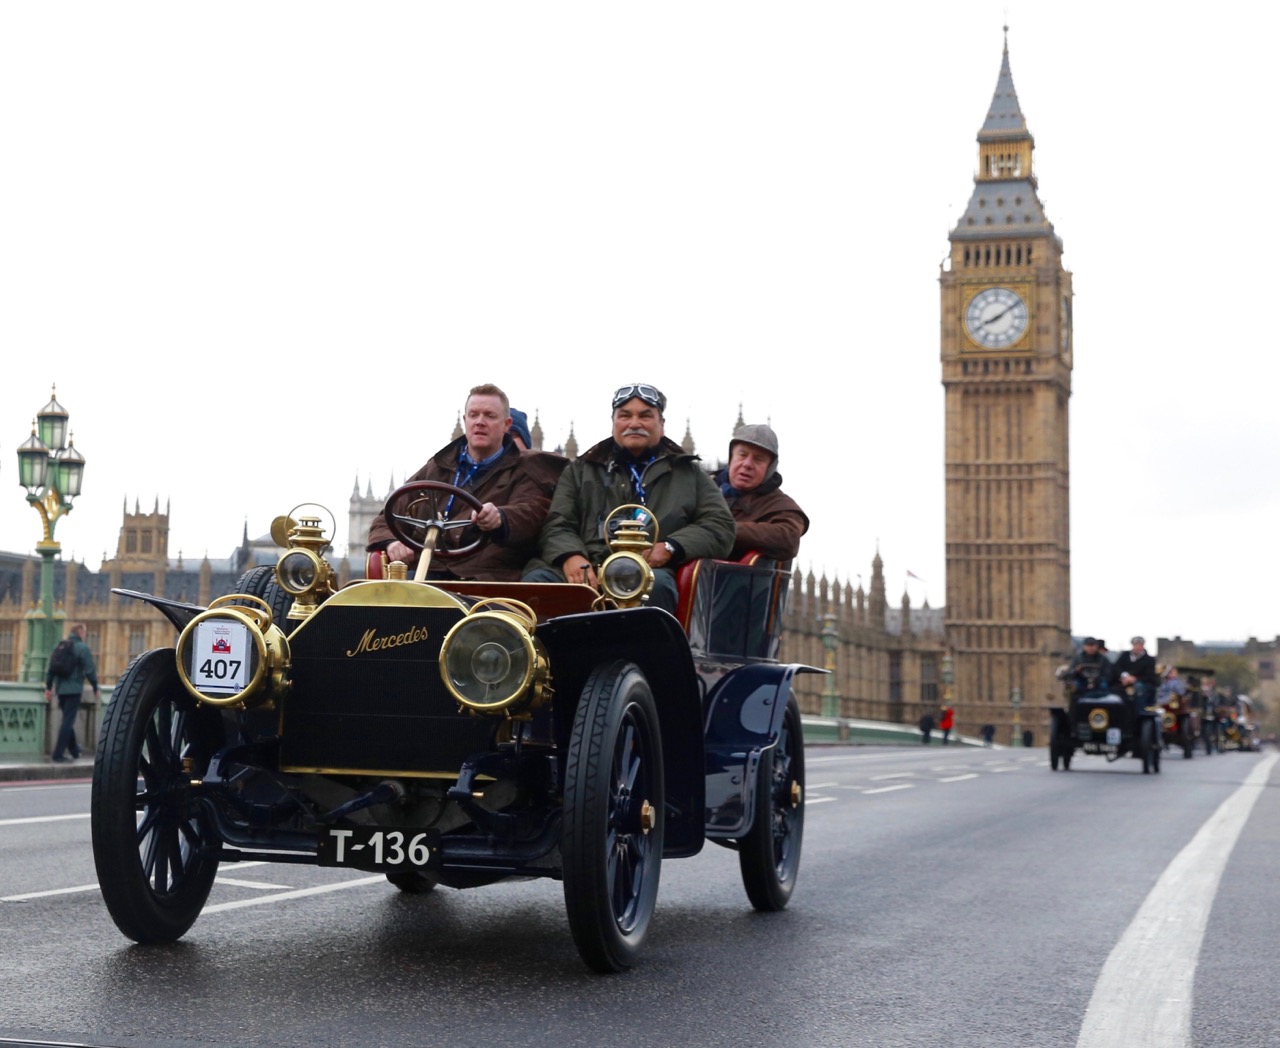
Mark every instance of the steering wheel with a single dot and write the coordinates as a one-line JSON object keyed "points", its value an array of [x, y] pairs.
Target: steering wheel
{"points": [[415, 513]]}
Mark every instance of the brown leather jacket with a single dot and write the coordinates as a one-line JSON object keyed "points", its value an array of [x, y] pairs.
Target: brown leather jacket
{"points": [[519, 484], [767, 520]]}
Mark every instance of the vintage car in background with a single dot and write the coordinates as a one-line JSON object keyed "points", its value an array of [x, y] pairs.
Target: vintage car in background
{"points": [[1182, 717], [1236, 727], [1104, 723], [456, 733]]}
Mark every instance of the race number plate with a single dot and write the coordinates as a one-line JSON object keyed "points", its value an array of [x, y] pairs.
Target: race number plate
{"points": [[379, 848], [1113, 736], [220, 656]]}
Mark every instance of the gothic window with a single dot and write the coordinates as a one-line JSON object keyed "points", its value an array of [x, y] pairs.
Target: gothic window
{"points": [[895, 676], [929, 679], [131, 541], [137, 641], [146, 542]]}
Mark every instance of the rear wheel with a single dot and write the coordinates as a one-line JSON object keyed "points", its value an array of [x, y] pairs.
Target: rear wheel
{"points": [[1188, 739], [150, 840], [412, 882], [613, 817], [769, 855]]}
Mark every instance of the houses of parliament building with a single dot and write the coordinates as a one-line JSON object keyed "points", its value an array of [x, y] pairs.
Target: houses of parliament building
{"points": [[1006, 360]]}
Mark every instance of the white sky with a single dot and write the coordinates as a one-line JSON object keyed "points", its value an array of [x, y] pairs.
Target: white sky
{"points": [[264, 247]]}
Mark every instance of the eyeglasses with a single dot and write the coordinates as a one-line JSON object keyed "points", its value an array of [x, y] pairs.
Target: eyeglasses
{"points": [[649, 394]]}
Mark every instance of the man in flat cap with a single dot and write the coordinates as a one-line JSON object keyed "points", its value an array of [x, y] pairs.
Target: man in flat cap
{"points": [[767, 519]]}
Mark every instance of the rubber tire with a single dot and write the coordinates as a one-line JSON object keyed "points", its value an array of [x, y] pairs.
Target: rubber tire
{"points": [[769, 855], [1146, 743], [1188, 740], [611, 866], [261, 582], [1155, 756], [1053, 755], [412, 882], [152, 879]]}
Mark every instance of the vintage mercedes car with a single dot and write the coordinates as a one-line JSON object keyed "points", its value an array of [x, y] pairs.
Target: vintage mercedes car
{"points": [[1104, 723], [456, 733]]}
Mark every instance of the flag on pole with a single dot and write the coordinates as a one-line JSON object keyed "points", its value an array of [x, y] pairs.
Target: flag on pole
{"points": [[912, 575]]}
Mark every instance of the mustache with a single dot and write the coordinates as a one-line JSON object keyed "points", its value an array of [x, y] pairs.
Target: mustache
{"points": [[635, 431]]}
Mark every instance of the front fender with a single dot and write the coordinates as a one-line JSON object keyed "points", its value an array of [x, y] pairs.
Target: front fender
{"points": [[176, 611], [743, 717]]}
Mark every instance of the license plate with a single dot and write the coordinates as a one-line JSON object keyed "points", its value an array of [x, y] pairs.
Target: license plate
{"points": [[379, 848]]}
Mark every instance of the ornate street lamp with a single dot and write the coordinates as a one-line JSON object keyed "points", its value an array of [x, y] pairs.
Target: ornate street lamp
{"points": [[51, 470]]}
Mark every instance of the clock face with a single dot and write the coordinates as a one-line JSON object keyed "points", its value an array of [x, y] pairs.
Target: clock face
{"points": [[996, 318]]}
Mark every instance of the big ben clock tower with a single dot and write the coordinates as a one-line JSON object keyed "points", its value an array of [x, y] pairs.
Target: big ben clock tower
{"points": [[1006, 370]]}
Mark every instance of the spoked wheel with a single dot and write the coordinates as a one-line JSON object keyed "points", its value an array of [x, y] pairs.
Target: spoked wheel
{"points": [[148, 836], [769, 854], [613, 817], [412, 882]]}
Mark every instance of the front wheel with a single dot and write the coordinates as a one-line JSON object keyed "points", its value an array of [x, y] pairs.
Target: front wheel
{"points": [[613, 817], [1147, 743], [151, 842], [769, 855]]}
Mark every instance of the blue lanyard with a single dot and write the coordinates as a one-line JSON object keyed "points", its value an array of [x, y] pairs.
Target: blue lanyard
{"points": [[459, 481], [636, 482]]}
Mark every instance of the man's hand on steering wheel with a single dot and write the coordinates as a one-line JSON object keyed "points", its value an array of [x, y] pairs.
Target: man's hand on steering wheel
{"points": [[487, 518]]}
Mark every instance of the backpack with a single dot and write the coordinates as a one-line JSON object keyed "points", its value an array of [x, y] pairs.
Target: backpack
{"points": [[63, 661]]}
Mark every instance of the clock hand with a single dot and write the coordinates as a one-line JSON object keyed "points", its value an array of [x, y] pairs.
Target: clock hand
{"points": [[992, 320]]}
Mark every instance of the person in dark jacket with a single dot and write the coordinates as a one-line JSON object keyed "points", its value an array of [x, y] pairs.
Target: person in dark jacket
{"points": [[486, 462], [765, 518], [637, 465], [546, 466], [1090, 670], [69, 690], [1136, 668], [926, 727]]}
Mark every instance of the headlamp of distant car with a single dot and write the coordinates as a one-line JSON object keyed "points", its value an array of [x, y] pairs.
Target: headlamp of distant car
{"points": [[233, 654], [1098, 719], [490, 661], [626, 578]]}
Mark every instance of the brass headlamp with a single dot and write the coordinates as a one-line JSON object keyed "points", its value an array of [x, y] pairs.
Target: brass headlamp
{"points": [[492, 663], [626, 577], [233, 655], [301, 571]]}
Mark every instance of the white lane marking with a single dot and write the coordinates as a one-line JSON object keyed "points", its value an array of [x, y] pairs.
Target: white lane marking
{"points": [[890, 789], [817, 800], [821, 785], [300, 893], [1144, 995], [52, 891], [894, 775], [960, 778], [41, 818], [251, 884]]}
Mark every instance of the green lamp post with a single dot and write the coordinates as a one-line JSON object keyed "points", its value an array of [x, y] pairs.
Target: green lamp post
{"points": [[51, 469], [830, 638]]}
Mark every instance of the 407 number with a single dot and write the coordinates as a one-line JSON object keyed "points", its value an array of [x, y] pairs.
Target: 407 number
{"points": [[219, 669]]}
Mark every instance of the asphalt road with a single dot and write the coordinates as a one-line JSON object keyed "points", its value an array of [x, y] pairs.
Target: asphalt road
{"points": [[946, 897]]}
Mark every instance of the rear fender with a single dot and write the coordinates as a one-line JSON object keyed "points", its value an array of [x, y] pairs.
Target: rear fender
{"points": [[744, 713]]}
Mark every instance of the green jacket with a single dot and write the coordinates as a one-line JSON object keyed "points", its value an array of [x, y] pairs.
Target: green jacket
{"points": [[691, 512], [85, 670]]}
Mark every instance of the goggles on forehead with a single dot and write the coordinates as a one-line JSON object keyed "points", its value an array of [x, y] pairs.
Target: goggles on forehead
{"points": [[649, 394]]}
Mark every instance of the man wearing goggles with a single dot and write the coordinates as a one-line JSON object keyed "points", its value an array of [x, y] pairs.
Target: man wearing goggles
{"points": [[638, 465]]}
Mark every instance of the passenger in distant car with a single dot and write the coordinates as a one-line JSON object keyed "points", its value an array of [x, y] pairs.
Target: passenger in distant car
{"points": [[1136, 669], [486, 462], [766, 518], [637, 465]]}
